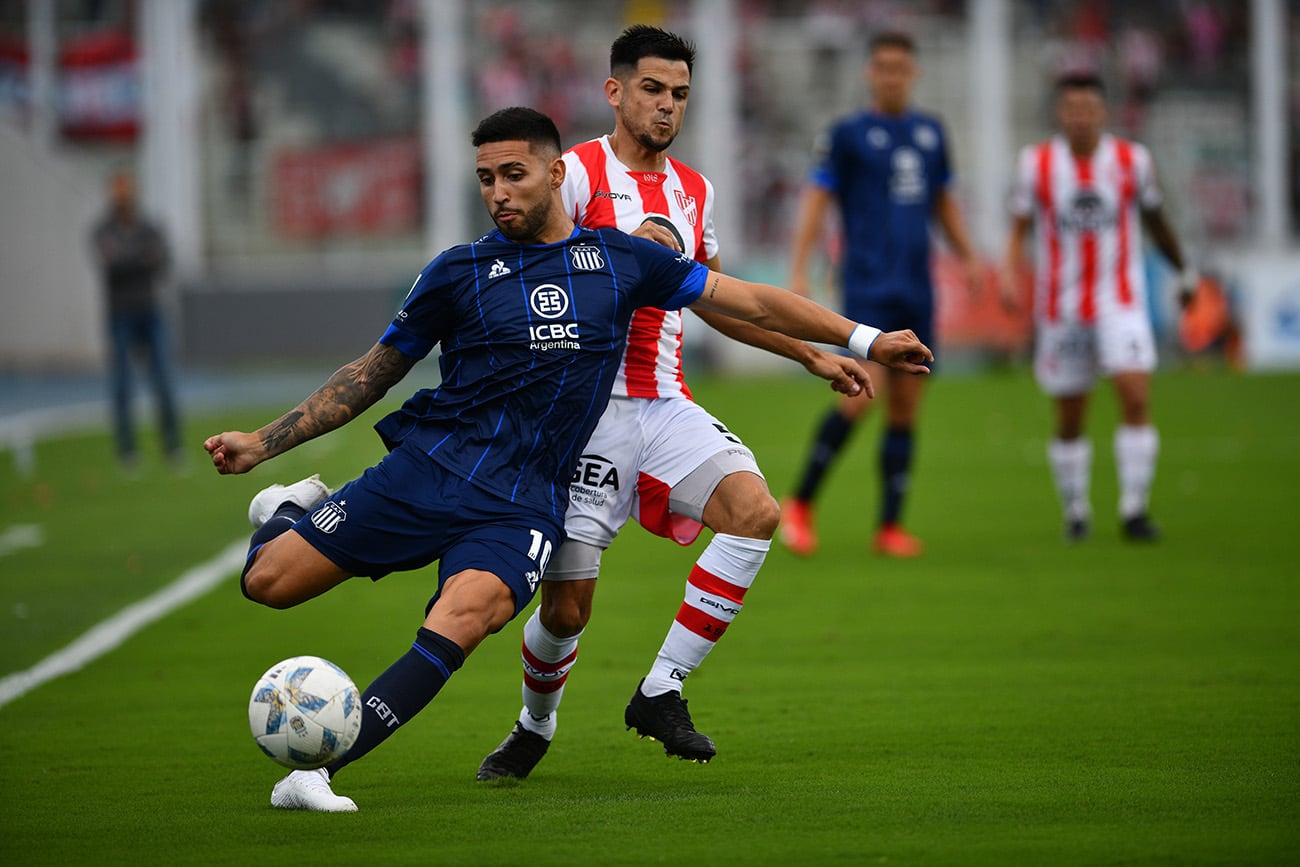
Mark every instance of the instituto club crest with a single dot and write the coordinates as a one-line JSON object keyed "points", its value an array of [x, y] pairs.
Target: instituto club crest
{"points": [[687, 204]]}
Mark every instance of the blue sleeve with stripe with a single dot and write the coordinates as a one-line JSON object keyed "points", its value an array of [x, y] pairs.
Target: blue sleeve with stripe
{"points": [[425, 314], [669, 280]]}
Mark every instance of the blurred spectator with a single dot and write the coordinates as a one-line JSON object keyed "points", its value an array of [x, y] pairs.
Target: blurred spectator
{"points": [[1140, 56], [1205, 36], [132, 256]]}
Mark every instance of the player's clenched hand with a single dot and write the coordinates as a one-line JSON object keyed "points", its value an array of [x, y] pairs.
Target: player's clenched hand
{"points": [[845, 374], [657, 231], [901, 350], [234, 451]]}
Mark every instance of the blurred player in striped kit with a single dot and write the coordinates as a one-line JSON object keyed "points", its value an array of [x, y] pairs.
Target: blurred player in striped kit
{"points": [[1087, 193], [656, 455]]}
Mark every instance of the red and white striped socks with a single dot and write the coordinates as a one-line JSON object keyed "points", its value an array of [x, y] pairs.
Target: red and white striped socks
{"points": [[547, 661], [715, 593]]}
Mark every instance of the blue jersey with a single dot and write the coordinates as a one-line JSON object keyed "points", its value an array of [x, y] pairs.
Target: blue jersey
{"points": [[531, 339], [886, 172]]}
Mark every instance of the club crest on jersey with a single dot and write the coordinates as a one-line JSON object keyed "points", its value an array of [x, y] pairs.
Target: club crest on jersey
{"points": [[328, 517], [586, 258], [499, 269], [687, 204]]}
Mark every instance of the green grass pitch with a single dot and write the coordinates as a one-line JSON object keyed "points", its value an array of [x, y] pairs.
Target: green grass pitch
{"points": [[1003, 700]]}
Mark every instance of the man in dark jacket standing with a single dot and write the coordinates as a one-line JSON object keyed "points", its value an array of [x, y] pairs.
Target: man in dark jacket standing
{"points": [[132, 256]]}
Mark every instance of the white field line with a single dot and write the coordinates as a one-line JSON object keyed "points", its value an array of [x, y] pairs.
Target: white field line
{"points": [[112, 632], [21, 536]]}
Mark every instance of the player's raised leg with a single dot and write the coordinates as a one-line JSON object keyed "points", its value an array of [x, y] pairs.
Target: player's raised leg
{"points": [[282, 569]]}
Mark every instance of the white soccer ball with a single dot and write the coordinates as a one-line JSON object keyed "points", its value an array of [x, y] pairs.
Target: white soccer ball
{"points": [[305, 712]]}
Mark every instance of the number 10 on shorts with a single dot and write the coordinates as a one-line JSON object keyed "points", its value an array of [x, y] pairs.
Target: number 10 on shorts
{"points": [[540, 550]]}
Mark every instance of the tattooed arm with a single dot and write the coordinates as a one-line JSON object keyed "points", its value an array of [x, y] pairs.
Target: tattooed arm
{"points": [[353, 389]]}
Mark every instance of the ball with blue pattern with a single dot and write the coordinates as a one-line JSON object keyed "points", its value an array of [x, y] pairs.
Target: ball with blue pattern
{"points": [[305, 712]]}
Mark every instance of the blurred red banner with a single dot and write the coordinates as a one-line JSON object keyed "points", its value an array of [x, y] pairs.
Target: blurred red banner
{"points": [[363, 188]]}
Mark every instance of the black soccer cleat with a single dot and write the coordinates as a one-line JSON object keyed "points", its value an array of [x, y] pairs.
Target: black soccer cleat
{"points": [[1140, 528], [518, 754], [1077, 530], [664, 718]]}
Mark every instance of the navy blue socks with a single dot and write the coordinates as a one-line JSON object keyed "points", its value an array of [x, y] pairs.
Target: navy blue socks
{"points": [[831, 435], [402, 691], [895, 466]]}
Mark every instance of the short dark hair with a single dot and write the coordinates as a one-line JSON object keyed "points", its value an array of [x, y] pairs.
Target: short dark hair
{"points": [[642, 40], [518, 124], [1080, 81], [892, 39]]}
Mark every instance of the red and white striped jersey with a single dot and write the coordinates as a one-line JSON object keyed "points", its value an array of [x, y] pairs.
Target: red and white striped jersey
{"points": [[1088, 234], [601, 192]]}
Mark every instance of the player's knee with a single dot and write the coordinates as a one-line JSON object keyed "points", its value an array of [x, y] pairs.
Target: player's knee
{"points": [[564, 612], [755, 517], [764, 515], [564, 619], [267, 587]]}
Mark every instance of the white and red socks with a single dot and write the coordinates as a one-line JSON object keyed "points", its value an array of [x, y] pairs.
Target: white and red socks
{"points": [[1071, 462], [547, 661], [1136, 450], [715, 593]]}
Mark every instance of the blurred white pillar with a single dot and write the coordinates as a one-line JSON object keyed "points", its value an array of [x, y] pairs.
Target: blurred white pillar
{"points": [[988, 176], [715, 118], [41, 69], [447, 164], [1268, 33], [169, 152]]}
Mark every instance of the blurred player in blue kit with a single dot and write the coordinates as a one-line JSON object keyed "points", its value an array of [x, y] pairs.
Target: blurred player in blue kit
{"points": [[888, 170], [532, 319]]}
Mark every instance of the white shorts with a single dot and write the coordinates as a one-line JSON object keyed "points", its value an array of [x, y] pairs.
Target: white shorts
{"points": [[1069, 356], [642, 462]]}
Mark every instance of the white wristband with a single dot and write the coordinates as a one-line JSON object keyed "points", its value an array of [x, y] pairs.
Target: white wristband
{"points": [[1187, 280], [861, 339]]}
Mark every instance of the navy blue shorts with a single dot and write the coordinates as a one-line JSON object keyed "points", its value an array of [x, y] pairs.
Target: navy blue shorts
{"points": [[895, 314], [408, 511]]}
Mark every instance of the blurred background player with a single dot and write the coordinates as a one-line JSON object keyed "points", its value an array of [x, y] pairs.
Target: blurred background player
{"points": [[132, 256], [887, 168], [1083, 191], [656, 455]]}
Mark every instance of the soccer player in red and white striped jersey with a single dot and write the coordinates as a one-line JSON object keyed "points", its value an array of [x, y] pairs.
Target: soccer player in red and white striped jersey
{"points": [[655, 455], [1087, 194]]}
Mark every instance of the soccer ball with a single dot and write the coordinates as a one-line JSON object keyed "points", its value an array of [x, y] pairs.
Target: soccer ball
{"points": [[305, 712]]}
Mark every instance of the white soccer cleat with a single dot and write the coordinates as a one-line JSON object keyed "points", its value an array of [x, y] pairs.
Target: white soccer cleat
{"points": [[307, 494], [310, 790]]}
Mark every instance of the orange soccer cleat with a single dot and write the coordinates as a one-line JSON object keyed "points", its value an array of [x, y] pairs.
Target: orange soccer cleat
{"points": [[797, 531], [893, 541]]}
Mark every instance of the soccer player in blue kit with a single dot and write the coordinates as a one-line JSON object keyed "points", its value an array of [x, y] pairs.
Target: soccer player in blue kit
{"points": [[532, 319], [887, 168]]}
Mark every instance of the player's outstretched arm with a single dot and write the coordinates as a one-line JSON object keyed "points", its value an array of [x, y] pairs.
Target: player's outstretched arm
{"points": [[352, 390], [778, 310], [844, 374]]}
